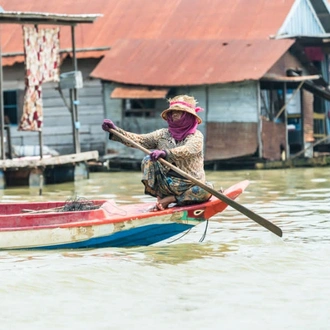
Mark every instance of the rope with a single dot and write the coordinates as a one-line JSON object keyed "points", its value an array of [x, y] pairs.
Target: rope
{"points": [[204, 235], [186, 232]]}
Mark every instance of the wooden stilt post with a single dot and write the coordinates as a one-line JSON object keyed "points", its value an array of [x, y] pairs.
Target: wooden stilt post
{"points": [[2, 114], [74, 96]]}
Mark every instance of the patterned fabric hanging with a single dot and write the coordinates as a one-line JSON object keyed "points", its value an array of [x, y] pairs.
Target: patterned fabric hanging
{"points": [[41, 47]]}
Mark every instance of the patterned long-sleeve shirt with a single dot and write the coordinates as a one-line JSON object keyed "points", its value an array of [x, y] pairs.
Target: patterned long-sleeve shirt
{"points": [[186, 154]]}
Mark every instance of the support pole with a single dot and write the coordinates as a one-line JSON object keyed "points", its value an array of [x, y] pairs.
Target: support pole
{"points": [[74, 97], [40, 144], [40, 130], [2, 113], [287, 146], [10, 152], [260, 144], [74, 121]]}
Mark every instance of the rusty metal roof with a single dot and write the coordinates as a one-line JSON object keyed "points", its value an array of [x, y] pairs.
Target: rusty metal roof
{"points": [[170, 19], [138, 92], [155, 19], [172, 42], [193, 62]]}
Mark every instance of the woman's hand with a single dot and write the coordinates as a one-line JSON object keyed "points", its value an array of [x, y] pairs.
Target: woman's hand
{"points": [[157, 154], [108, 124]]}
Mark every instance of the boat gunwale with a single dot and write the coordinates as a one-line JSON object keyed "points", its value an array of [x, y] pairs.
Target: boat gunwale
{"points": [[112, 219]]}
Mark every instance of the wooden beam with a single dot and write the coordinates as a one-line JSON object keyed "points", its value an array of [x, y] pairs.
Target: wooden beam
{"points": [[275, 77], [51, 161], [16, 17], [65, 50]]}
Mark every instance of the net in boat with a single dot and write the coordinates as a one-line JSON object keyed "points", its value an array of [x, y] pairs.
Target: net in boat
{"points": [[78, 204]]}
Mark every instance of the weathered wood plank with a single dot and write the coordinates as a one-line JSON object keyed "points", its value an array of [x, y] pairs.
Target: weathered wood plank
{"points": [[57, 129], [230, 140], [58, 102], [56, 160]]}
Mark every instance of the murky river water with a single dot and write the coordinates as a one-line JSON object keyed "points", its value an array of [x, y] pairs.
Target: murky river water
{"points": [[240, 277]]}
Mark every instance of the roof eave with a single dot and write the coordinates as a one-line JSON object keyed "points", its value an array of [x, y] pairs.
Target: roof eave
{"points": [[16, 17], [301, 36]]}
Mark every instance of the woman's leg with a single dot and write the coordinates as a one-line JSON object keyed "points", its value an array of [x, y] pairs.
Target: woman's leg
{"points": [[169, 189], [149, 176], [163, 203], [193, 195]]}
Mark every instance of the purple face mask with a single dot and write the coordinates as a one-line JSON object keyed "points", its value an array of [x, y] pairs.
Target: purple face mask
{"points": [[186, 125]]}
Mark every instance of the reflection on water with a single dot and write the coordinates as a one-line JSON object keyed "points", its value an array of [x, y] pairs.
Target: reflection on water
{"points": [[240, 276], [180, 253], [166, 253]]}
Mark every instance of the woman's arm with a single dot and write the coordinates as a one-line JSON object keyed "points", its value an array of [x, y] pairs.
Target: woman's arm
{"points": [[149, 140]]}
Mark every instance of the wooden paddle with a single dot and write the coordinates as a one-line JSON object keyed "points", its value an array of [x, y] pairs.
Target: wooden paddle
{"points": [[250, 214]]}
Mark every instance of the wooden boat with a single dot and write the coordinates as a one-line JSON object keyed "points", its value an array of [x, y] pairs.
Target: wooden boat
{"points": [[49, 225]]}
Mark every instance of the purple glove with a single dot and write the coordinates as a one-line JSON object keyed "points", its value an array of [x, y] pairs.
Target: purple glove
{"points": [[157, 154], [107, 124]]}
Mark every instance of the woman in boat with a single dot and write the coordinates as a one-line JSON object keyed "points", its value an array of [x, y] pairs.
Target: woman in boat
{"points": [[180, 144]]}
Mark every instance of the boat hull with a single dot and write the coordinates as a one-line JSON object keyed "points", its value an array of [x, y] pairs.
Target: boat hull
{"points": [[109, 225]]}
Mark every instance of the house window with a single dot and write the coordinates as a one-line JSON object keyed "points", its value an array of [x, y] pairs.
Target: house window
{"points": [[144, 108], [10, 107]]}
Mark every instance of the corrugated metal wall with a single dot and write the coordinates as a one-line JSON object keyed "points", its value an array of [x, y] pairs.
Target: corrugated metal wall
{"points": [[235, 102], [232, 121], [302, 11]]}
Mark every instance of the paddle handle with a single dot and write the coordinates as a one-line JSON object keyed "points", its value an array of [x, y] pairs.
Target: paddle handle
{"points": [[250, 214]]}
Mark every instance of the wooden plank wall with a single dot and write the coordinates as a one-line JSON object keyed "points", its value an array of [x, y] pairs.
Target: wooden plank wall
{"points": [[57, 130], [273, 139]]}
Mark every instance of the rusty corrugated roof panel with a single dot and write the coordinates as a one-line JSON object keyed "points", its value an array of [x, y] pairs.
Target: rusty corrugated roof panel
{"points": [[138, 92], [189, 62], [155, 19], [234, 19], [12, 60]]}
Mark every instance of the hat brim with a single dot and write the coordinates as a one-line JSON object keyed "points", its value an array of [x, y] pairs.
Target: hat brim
{"points": [[165, 112]]}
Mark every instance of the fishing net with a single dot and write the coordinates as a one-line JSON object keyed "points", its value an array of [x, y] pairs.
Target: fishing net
{"points": [[78, 204]]}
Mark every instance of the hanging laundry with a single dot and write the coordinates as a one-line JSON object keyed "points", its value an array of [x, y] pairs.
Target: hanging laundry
{"points": [[32, 116], [41, 47]]}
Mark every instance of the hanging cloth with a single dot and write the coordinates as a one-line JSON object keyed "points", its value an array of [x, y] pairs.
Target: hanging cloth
{"points": [[41, 48]]}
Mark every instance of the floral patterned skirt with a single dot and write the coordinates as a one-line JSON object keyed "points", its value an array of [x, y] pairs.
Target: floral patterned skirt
{"points": [[159, 183]]}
